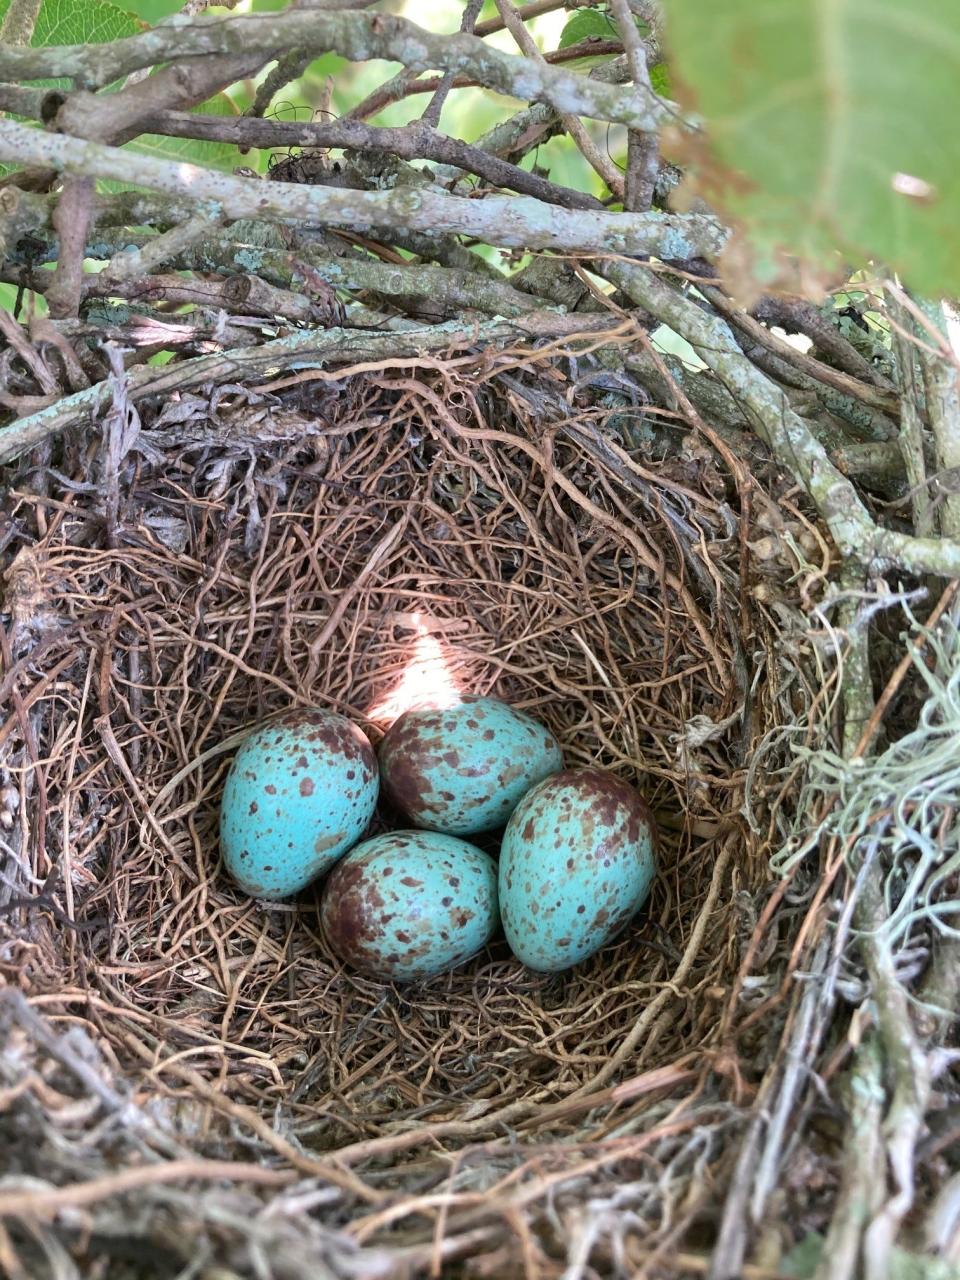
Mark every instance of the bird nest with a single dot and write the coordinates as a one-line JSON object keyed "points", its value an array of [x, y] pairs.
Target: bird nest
{"points": [[193, 1084]]}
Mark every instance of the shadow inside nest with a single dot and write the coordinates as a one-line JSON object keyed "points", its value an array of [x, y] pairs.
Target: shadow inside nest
{"points": [[347, 545]]}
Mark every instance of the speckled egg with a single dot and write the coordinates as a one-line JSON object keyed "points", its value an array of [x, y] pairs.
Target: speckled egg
{"points": [[410, 904], [464, 770], [301, 791], [576, 864]]}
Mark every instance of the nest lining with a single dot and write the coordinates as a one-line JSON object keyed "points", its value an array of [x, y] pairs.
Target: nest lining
{"points": [[323, 545]]}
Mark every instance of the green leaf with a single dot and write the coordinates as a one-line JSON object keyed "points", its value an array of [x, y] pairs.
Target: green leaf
{"points": [[152, 11], [660, 80], [832, 127], [594, 24], [214, 155], [588, 24]]}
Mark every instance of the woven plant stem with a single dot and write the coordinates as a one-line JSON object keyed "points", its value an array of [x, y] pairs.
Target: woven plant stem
{"points": [[647, 1023], [308, 348]]}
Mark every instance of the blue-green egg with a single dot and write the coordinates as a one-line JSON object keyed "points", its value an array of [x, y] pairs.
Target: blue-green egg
{"points": [[576, 864], [301, 791], [410, 904], [464, 770]]}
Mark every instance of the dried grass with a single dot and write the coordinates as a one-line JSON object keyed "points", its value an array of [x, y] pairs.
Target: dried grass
{"points": [[208, 1092]]}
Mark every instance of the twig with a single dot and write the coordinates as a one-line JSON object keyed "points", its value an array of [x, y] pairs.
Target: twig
{"points": [[910, 1070], [407, 84], [643, 149], [797, 315], [787, 435], [416, 141], [880, 394], [431, 114], [911, 428], [288, 68], [120, 117], [71, 220], [761, 1149], [860, 1190], [19, 22], [132, 263], [602, 164], [525, 12], [941, 381]]}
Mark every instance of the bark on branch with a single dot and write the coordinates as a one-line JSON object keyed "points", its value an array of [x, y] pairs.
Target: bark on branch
{"points": [[512, 222], [356, 36]]}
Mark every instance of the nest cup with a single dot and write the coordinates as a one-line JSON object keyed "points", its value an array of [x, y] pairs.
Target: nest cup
{"points": [[394, 539]]}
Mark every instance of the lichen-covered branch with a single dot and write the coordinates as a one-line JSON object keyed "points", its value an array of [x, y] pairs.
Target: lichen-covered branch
{"points": [[356, 36], [768, 410], [598, 160], [513, 222]]}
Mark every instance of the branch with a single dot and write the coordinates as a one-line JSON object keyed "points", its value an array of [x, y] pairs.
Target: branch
{"points": [[119, 117], [787, 435], [941, 381], [598, 161], [355, 36], [643, 149], [911, 423], [796, 315], [19, 22], [409, 84], [513, 222], [528, 11], [522, 132], [439, 287], [878, 393], [23, 101], [415, 141], [434, 109]]}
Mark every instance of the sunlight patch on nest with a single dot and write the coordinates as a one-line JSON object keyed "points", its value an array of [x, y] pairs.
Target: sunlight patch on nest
{"points": [[427, 683]]}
